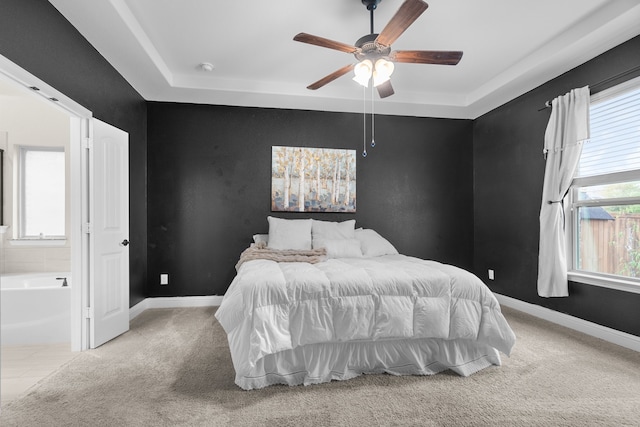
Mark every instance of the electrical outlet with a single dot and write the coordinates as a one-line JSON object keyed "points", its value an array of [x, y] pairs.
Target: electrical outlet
{"points": [[492, 275], [164, 278]]}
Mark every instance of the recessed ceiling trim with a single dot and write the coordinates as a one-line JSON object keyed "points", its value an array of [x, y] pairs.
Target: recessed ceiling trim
{"points": [[303, 102], [142, 38]]}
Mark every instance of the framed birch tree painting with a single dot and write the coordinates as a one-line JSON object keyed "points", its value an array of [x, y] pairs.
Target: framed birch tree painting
{"points": [[313, 179]]}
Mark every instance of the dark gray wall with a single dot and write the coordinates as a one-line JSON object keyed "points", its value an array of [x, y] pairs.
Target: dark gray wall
{"points": [[210, 183], [40, 40], [508, 176]]}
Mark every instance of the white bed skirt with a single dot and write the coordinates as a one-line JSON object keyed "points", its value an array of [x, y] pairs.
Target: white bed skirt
{"points": [[319, 363]]}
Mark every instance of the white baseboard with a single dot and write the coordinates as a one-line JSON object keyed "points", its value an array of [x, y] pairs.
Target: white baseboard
{"points": [[608, 334], [173, 302]]}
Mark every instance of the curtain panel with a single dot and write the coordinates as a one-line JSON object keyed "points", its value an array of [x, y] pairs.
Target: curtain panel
{"points": [[567, 129]]}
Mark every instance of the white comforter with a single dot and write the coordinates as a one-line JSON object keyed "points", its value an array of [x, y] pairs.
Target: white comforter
{"points": [[271, 307]]}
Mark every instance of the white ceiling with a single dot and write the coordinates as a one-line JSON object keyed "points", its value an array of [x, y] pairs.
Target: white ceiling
{"points": [[510, 47]]}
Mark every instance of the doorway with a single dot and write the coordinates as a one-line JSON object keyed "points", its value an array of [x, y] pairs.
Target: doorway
{"points": [[88, 292]]}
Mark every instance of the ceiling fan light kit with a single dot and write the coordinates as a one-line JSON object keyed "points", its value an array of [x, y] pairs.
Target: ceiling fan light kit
{"points": [[362, 72], [382, 71]]}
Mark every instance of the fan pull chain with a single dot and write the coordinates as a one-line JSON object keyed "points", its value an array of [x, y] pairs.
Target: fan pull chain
{"points": [[373, 120], [364, 121]]}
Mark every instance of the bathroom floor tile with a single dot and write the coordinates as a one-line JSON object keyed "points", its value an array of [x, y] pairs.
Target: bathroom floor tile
{"points": [[25, 365]]}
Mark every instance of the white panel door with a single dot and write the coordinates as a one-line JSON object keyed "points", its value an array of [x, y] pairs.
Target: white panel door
{"points": [[109, 233]]}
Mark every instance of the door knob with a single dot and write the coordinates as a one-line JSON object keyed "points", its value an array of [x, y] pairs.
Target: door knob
{"points": [[125, 242]]}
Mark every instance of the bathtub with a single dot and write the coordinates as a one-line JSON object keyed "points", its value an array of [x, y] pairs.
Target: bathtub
{"points": [[36, 308]]}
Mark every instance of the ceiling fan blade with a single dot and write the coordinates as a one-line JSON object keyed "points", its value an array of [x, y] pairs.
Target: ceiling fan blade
{"points": [[385, 89], [331, 77], [322, 42], [404, 17], [441, 57]]}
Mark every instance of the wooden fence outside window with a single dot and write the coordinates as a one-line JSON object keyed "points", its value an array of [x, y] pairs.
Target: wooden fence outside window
{"points": [[611, 246]]}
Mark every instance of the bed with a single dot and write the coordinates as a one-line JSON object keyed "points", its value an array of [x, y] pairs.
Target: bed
{"points": [[315, 301]]}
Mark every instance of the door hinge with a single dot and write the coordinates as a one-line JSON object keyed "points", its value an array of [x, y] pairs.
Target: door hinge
{"points": [[87, 143], [88, 313], [87, 228]]}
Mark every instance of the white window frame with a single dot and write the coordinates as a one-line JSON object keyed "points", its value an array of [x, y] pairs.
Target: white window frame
{"points": [[21, 238], [624, 283]]}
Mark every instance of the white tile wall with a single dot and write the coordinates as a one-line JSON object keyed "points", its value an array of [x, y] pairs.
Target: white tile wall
{"points": [[25, 259]]}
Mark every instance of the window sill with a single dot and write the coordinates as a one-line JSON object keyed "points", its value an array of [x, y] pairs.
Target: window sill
{"points": [[38, 242], [610, 282]]}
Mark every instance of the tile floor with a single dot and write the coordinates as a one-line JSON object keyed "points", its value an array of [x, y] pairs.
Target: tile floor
{"points": [[24, 365]]}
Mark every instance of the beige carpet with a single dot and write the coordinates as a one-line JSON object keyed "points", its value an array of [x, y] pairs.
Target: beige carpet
{"points": [[173, 369]]}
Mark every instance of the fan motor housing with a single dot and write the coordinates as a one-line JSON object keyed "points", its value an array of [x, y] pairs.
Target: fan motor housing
{"points": [[368, 48]]}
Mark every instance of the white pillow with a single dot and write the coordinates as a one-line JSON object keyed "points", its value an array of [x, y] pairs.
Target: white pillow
{"points": [[259, 238], [343, 248], [289, 233], [329, 230], [373, 244]]}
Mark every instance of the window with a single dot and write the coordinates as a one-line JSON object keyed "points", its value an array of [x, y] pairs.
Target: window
{"points": [[605, 194], [41, 192]]}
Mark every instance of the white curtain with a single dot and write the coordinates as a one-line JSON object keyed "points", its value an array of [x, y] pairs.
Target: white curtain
{"points": [[568, 127]]}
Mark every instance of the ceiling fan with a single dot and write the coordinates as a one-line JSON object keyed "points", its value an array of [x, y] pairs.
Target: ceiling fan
{"points": [[374, 53]]}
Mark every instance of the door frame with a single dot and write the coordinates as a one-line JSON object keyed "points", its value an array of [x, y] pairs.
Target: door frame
{"points": [[80, 131]]}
